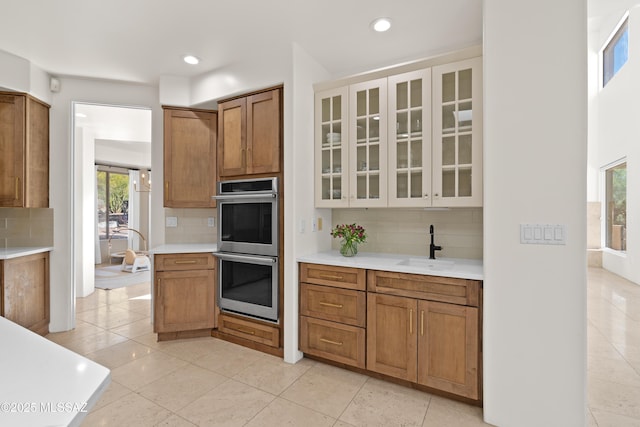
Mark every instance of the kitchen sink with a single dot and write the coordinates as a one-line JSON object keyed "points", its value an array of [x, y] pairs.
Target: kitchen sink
{"points": [[431, 264]]}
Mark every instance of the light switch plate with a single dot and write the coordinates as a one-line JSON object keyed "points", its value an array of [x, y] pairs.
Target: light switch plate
{"points": [[211, 222], [543, 234]]}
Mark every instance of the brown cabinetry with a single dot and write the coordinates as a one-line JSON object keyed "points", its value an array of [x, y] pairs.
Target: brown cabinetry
{"points": [[189, 158], [250, 134], [418, 328], [253, 331], [24, 144], [24, 291], [333, 313], [184, 294]]}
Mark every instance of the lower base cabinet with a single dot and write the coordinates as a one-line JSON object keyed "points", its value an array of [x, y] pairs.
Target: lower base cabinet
{"points": [[421, 329], [25, 291], [184, 293]]}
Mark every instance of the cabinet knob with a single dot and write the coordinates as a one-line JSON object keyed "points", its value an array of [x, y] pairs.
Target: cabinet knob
{"points": [[426, 195]]}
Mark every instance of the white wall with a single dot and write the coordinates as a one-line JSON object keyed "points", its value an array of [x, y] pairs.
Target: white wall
{"points": [[535, 142], [617, 133], [101, 92]]}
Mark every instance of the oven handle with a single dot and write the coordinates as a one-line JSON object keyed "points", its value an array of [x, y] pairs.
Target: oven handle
{"points": [[248, 258], [245, 196]]}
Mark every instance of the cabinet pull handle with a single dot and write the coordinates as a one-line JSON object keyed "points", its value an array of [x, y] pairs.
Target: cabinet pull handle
{"points": [[421, 322], [330, 342], [245, 331], [166, 188], [328, 304], [191, 261], [159, 291], [411, 321], [330, 276], [17, 187]]}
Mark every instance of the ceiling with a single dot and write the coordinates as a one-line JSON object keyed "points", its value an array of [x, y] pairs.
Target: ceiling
{"points": [[141, 40]]}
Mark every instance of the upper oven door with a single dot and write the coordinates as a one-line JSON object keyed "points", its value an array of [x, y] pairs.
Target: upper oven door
{"points": [[248, 224]]}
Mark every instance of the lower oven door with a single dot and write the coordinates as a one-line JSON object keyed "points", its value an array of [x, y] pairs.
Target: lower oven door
{"points": [[248, 285]]}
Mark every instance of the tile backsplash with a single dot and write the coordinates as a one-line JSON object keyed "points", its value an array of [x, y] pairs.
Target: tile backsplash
{"points": [[20, 227], [406, 231], [192, 226]]}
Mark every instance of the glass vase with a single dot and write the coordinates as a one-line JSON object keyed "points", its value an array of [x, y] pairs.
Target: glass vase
{"points": [[348, 248]]}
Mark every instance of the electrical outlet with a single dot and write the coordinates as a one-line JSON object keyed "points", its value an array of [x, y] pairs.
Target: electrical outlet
{"points": [[211, 222], [301, 226], [171, 221]]}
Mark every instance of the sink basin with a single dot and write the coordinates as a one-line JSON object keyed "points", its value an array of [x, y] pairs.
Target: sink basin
{"points": [[431, 264]]}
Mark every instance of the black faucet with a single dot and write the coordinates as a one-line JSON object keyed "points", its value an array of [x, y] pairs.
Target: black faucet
{"points": [[433, 248]]}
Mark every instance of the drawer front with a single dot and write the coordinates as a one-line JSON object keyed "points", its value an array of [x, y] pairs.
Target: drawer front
{"points": [[433, 288], [195, 261], [340, 277], [335, 304], [333, 341], [258, 332]]}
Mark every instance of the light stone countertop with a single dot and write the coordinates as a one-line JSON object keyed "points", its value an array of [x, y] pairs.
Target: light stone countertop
{"points": [[43, 383], [446, 267], [9, 253], [184, 248]]}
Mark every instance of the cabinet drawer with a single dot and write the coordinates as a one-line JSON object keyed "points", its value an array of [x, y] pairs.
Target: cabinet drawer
{"points": [[258, 332], [338, 305], [333, 341], [195, 261], [433, 288], [340, 277]]}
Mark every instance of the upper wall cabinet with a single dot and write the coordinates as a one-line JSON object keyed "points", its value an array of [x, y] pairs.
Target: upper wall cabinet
{"points": [[250, 134], [24, 148], [457, 134], [189, 158], [408, 140]]}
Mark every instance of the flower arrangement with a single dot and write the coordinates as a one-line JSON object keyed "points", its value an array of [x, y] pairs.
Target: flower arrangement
{"points": [[351, 235]]}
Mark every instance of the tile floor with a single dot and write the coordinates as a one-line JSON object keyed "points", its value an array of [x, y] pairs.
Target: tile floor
{"points": [[209, 382]]}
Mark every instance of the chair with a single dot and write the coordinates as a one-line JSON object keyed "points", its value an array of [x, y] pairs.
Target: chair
{"points": [[133, 262]]}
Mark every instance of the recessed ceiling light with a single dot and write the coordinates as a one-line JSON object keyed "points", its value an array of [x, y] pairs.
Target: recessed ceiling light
{"points": [[190, 59], [381, 24]]}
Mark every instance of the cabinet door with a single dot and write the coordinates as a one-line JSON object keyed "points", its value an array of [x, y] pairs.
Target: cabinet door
{"points": [[331, 148], [448, 348], [410, 139], [368, 144], [232, 137], [26, 291], [189, 158], [184, 300], [392, 336], [12, 138], [36, 182], [263, 132], [457, 134]]}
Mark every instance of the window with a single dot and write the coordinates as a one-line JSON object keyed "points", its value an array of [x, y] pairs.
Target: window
{"points": [[616, 52], [616, 206], [113, 202]]}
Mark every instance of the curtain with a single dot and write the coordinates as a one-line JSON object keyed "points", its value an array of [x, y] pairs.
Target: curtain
{"points": [[134, 210], [98, 252]]}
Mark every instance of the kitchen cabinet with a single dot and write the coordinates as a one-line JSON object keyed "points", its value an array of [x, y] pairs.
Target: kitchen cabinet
{"points": [[333, 313], [419, 330], [184, 294], [457, 134], [24, 291], [24, 144], [406, 140], [248, 329], [189, 158], [250, 134]]}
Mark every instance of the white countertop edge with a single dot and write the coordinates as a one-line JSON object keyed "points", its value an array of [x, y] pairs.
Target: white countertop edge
{"points": [[9, 253], [184, 248], [463, 268]]}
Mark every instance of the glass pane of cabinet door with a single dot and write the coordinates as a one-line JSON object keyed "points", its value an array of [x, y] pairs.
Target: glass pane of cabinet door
{"points": [[457, 134], [331, 149], [410, 139], [368, 144]]}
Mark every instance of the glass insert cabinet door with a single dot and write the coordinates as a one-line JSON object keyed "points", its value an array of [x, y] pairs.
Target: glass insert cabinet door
{"points": [[457, 134], [368, 144], [331, 148], [410, 139]]}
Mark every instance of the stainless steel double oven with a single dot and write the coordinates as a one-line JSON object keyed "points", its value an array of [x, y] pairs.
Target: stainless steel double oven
{"points": [[248, 247]]}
